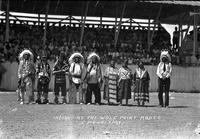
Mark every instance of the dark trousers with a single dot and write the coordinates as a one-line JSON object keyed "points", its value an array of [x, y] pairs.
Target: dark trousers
{"points": [[59, 86], [27, 86], [42, 88], [175, 44], [163, 85], [74, 90], [97, 93]]}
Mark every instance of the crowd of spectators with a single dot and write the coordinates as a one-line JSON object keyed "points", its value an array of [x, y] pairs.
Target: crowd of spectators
{"points": [[132, 44]]}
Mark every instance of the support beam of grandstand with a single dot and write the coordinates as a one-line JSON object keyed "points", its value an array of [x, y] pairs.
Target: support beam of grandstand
{"points": [[194, 35], [131, 22], [7, 20], [81, 20], [83, 23], [148, 35], [180, 31], [120, 22], [38, 20], [156, 21], [181, 35], [0, 4], [115, 29], [46, 17], [186, 32], [101, 20], [70, 20], [57, 5]]}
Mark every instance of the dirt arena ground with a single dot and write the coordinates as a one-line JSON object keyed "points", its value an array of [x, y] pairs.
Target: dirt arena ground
{"points": [[180, 120]]}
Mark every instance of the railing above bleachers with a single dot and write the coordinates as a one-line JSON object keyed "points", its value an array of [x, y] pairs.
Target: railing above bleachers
{"points": [[75, 21]]}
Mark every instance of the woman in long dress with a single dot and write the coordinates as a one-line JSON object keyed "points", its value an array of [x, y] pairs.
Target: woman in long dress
{"points": [[125, 82], [141, 81], [110, 84]]}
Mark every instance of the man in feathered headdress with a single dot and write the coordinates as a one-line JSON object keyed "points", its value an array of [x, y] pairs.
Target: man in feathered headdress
{"points": [[75, 77], [43, 72], [26, 75], [164, 70], [94, 78]]}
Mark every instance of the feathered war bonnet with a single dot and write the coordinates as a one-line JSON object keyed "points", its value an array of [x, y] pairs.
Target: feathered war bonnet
{"points": [[93, 55], [165, 53], [74, 55], [24, 52]]}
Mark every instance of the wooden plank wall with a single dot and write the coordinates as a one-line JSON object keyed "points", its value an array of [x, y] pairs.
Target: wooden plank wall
{"points": [[184, 79]]}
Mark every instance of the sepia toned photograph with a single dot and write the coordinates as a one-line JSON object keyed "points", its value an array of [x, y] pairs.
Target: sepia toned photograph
{"points": [[104, 69]]}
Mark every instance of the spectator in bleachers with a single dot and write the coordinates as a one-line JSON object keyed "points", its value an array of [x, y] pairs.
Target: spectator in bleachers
{"points": [[175, 39], [131, 43]]}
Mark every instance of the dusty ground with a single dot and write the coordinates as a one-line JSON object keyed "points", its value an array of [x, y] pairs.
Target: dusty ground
{"points": [[82, 121]]}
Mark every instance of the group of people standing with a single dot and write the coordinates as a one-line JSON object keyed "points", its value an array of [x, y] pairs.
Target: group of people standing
{"points": [[88, 79]]}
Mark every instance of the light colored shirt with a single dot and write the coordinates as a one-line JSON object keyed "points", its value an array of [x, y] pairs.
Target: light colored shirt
{"points": [[76, 69], [161, 73], [25, 68], [140, 72], [124, 73], [95, 74]]}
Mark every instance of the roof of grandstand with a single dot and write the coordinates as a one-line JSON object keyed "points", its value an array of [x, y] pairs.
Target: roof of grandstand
{"points": [[171, 11]]}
